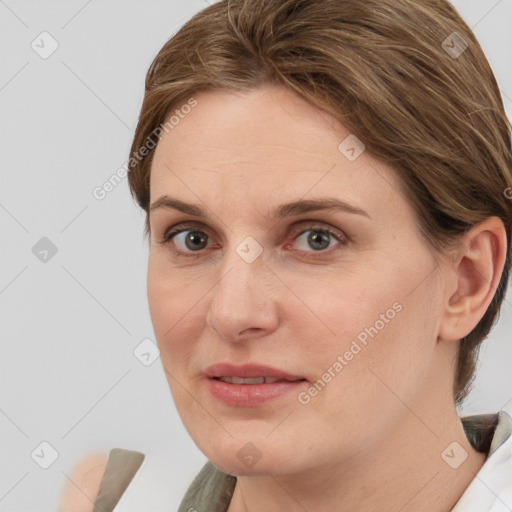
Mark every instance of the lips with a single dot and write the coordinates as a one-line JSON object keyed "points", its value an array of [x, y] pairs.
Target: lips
{"points": [[250, 385], [247, 373]]}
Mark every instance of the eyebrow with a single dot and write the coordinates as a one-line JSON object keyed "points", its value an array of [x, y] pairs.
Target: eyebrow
{"points": [[284, 210]]}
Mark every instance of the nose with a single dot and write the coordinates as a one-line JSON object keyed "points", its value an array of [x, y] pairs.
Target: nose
{"points": [[243, 302]]}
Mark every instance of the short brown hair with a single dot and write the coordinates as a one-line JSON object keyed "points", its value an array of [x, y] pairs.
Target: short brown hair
{"points": [[397, 73]]}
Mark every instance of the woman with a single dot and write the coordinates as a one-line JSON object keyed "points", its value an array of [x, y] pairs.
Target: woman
{"points": [[325, 187]]}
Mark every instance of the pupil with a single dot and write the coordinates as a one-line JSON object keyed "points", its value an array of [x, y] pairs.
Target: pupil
{"points": [[317, 237], [195, 239]]}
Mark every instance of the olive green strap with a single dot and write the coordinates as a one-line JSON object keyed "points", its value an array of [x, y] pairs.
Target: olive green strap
{"points": [[211, 491], [119, 472]]}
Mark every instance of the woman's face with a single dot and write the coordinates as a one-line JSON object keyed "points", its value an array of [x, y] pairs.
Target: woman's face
{"points": [[346, 300]]}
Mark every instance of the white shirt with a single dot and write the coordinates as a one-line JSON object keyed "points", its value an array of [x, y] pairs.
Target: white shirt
{"points": [[491, 489]]}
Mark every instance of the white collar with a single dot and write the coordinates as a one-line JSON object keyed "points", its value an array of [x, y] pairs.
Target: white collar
{"points": [[491, 489]]}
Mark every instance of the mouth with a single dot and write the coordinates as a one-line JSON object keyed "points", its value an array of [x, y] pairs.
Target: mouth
{"points": [[250, 385], [254, 380], [243, 374]]}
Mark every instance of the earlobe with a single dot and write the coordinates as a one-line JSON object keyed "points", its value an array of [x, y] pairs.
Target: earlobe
{"points": [[478, 267]]}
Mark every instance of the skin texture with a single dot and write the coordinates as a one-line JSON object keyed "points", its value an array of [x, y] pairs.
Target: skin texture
{"points": [[372, 438]]}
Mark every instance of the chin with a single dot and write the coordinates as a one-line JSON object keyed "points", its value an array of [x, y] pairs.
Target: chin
{"points": [[258, 458], [233, 466]]}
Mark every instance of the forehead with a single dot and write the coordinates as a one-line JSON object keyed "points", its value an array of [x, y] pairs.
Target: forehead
{"points": [[268, 121], [260, 145]]}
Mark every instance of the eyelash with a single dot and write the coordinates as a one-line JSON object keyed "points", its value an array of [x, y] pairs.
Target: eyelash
{"points": [[180, 228]]}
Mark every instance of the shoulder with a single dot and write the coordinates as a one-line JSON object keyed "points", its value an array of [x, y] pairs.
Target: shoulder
{"points": [[83, 483], [100, 479]]}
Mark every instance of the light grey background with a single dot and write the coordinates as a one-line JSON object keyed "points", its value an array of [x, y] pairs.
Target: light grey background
{"points": [[69, 325]]}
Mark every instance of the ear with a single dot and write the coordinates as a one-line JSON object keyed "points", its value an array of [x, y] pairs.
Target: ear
{"points": [[476, 272]]}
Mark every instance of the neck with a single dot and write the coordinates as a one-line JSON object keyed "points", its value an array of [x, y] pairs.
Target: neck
{"points": [[405, 472]]}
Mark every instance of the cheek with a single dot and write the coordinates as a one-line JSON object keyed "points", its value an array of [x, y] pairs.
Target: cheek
{"points": [[177, 322], [174, 309], [368, 325], [347, 306], [160, 298]]}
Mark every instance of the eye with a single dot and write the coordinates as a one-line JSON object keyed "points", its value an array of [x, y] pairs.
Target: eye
{"points": [[319, 238], [188, 239]]}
